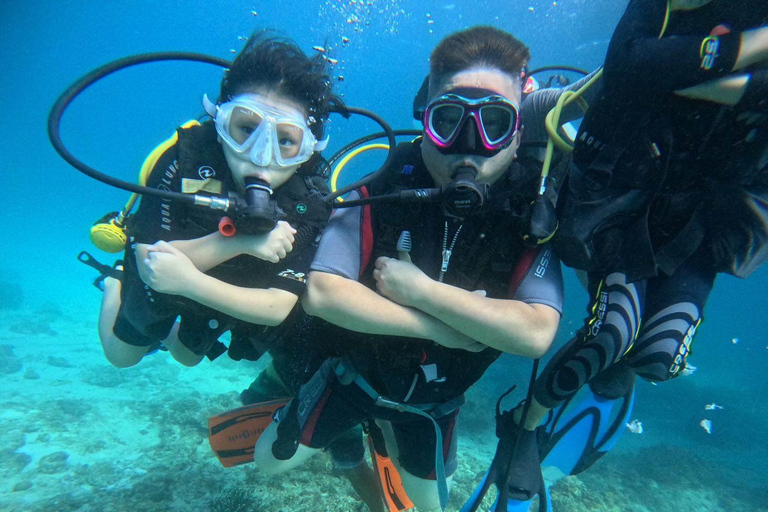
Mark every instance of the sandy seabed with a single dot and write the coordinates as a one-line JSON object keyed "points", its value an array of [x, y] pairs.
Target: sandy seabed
{"points": [[79, 435]]}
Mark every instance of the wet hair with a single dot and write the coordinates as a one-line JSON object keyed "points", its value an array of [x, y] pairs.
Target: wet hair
{"points": [[479, 46], [279, 65]]}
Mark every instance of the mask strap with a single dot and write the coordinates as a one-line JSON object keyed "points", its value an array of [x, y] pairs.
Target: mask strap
{"points": [[209, 106], [322, 144]]}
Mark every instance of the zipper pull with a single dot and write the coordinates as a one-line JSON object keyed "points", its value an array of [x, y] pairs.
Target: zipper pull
{"points": [[446, 260]]}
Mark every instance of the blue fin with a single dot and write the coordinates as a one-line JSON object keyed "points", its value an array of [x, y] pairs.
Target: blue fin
{"points": [[479, 492], [583, 429], [524, 506]]}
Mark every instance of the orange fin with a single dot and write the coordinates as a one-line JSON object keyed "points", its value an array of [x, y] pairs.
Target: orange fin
{"points": [[389, 480], [233, 434]]}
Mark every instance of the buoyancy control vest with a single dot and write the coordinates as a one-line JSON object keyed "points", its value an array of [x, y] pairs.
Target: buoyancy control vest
{"points": [[503, 220], [486, 257], [300, 198], [657, 177], [202, 169]]}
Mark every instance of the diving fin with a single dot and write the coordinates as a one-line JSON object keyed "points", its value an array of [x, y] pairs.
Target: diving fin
{"points": [[584, 428], [390, 483], [512, 504], [575, 436], [233, 434], [515, 471]]}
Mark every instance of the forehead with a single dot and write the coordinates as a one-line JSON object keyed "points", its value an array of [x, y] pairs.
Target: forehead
{"points": [[481, 78], [275, 101]]}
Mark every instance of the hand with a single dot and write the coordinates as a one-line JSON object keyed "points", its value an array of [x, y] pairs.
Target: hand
{"points": [[166, 269], [400, 281], [272, 246], [452, 338]]}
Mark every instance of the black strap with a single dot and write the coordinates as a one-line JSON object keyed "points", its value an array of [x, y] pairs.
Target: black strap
{"points": [[104, 271]]}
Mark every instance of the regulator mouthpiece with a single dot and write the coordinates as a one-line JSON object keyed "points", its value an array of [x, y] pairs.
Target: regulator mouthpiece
{"points": [[463, 196], [259, 214]]}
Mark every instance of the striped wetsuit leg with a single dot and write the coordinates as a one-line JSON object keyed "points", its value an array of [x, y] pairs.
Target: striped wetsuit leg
{"points": [[608, 334], [673, 313]]}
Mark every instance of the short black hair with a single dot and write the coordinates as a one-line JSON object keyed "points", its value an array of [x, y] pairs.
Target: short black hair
{"points": [[278, 64], [478, 46]]}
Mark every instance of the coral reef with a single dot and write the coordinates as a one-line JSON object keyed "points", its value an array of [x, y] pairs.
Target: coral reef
{"points": [[235, 499]]}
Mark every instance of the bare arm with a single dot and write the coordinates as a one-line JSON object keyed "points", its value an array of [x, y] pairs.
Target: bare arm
{"points": [[351, 305], [208, 251], [753, 49], [167, 270], [724, 91], [211, 250], [268, 306], [505, 324]]}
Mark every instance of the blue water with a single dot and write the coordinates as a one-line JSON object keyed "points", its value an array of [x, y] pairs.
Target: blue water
{"points": [[47, 207]]}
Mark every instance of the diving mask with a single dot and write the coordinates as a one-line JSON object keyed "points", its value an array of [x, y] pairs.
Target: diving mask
{"points": [[468, 113], [262, 133]]}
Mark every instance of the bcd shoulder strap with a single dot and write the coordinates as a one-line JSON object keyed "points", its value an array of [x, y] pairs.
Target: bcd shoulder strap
{"points": [[201, 157], [406, 172]]}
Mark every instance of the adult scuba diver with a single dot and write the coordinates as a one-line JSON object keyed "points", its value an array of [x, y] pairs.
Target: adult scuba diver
{"points": [[668, 187], [457, 281]]}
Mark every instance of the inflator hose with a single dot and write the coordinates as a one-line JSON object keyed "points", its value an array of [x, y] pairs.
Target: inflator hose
{"points": [[57, 111], [54, 118]]}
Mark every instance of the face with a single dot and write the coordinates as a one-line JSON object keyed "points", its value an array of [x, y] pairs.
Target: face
{"points": [[243, 123], [489, 169]]}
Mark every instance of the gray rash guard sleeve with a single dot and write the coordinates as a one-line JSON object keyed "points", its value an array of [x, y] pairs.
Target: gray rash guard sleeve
{"points": [[340, 251], [543, 281]]}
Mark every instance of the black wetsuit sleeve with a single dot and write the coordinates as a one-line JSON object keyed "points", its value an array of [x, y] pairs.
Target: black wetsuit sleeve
{"points": [[638, 60], [290, 274], [156, 218]]}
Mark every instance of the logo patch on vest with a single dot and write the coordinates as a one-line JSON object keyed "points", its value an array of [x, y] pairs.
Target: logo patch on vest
{"points": [[301, 208], [190, 186], [206, 172], [709, 52], [292, 274]]}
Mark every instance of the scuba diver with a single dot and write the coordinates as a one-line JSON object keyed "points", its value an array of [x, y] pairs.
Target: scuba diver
{"points": [[421, 297], [667, 189], [262, 141], [243, 274]]}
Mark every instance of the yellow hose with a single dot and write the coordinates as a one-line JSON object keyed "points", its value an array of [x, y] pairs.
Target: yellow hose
{"points": [[552, 122], [344, 161]]}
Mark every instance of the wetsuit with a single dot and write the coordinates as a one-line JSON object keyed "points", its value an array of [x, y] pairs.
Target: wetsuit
{"points": [[488, 254], [664, 193], [195, 163]]}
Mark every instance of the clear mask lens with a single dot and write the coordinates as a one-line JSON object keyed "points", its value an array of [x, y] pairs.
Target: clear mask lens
{"points": [[497, 122], [290, 139], [242, 124], [445, 120], [263, 134]]}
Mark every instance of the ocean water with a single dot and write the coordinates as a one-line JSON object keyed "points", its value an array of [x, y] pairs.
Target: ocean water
{"points": [[78, 435]]}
